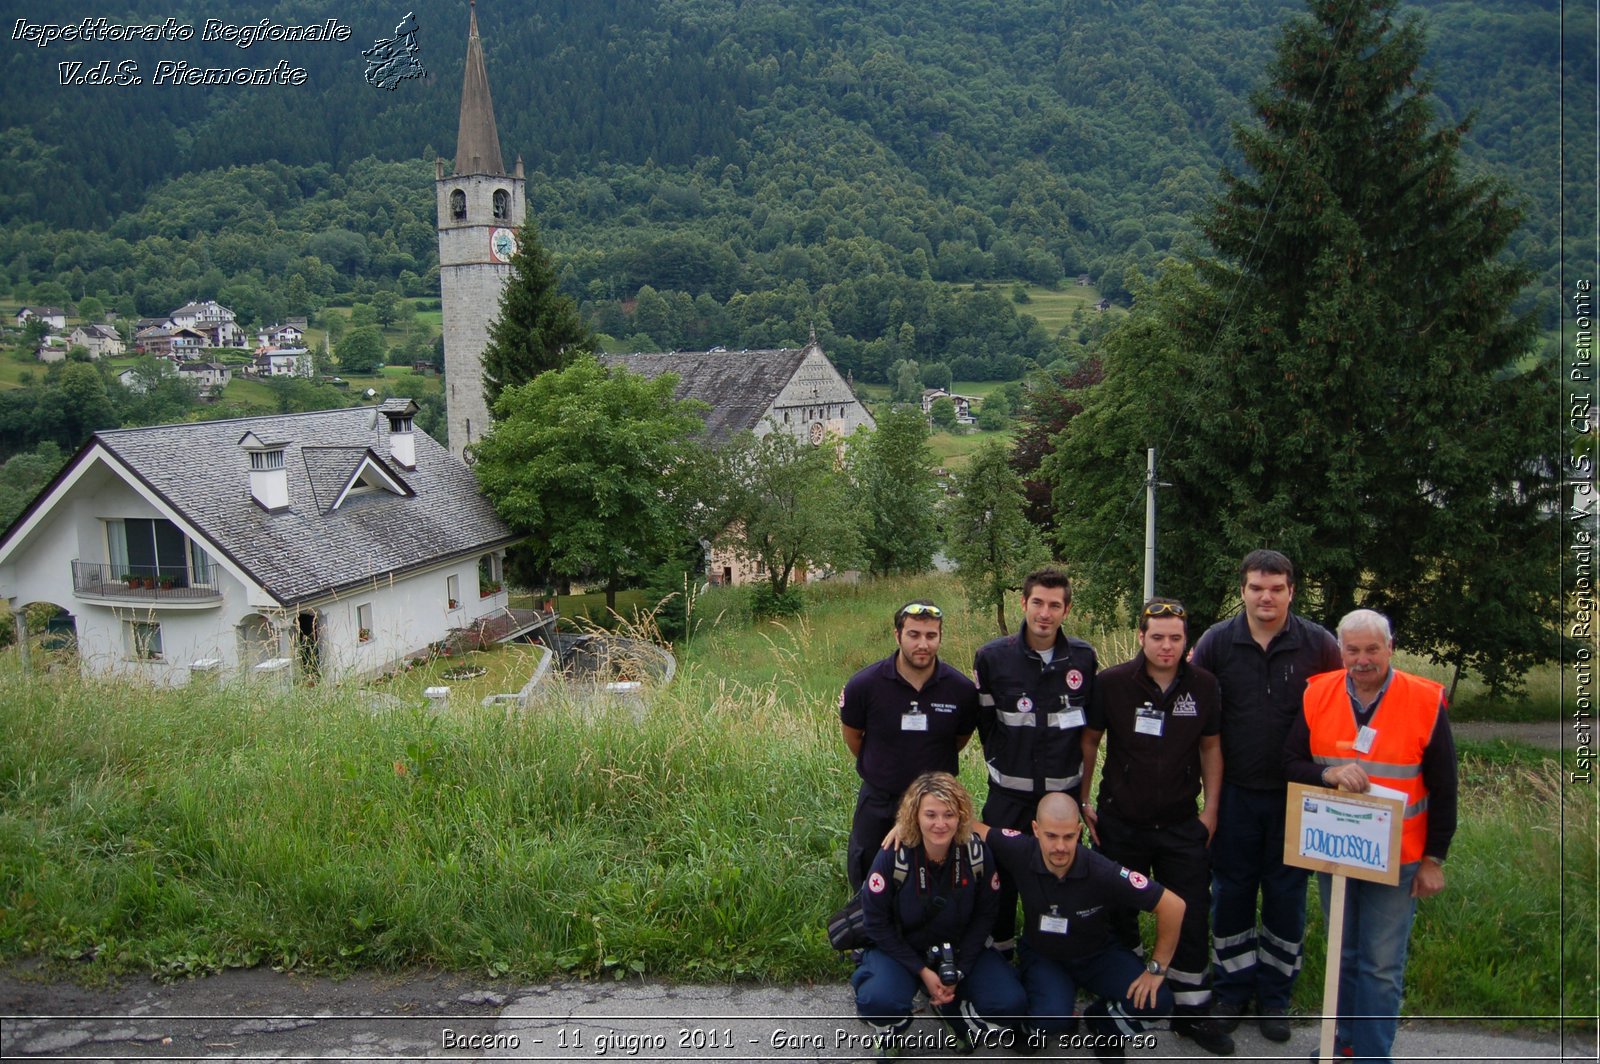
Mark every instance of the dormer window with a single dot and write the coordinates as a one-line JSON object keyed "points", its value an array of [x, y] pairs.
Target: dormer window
{"points": [[458, 205], [502, 205]]}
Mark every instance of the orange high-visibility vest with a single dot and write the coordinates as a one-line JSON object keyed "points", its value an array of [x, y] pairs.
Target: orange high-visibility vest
{"points": [[1404, 722]]}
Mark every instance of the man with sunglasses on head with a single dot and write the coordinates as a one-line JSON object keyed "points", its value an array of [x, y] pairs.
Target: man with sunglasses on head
{"points": [[1033, 697], [905, 715], [1162, 718], [1262, 658]]}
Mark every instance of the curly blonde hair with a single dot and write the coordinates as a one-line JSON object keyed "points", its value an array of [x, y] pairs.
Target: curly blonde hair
{"points": [[940, 786]]}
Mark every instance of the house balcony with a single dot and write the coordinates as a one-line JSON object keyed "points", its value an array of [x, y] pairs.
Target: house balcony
{"points": [[143, 585]]}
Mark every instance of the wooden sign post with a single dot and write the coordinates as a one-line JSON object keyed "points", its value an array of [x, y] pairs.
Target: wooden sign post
{"points": [[1346, 835]]}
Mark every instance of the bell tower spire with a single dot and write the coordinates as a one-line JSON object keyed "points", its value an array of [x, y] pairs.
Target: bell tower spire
{"points": [[477, 140]]}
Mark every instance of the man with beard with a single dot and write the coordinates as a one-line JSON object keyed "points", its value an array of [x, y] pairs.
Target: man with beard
{"points": [[905, 715]]}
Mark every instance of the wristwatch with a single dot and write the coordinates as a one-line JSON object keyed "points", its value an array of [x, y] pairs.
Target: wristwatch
{"points": [[1155, 967]]}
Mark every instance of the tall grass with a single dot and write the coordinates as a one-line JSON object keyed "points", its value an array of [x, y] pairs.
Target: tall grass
{"points": [[181, 831]]}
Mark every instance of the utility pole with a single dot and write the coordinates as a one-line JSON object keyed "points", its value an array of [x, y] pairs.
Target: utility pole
{"points": [[1150, 486]]}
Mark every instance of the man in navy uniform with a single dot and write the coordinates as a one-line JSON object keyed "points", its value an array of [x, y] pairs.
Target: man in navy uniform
{"points": [[905, 715], [1262, 658], [1033, 693], [1068, 896], [1161, 718]]}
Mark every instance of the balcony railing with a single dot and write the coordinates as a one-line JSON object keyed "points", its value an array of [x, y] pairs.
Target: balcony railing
{"points": [[141, 583]]}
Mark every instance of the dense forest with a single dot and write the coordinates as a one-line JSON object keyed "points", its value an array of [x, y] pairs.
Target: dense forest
{"points": [[710, 150]]}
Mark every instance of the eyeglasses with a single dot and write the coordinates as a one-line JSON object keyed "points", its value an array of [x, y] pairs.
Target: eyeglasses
{"points": [[921, 609], [1163, 609]]}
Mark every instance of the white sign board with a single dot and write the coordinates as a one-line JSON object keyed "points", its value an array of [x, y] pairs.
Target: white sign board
{"points": [[1346, 834]]}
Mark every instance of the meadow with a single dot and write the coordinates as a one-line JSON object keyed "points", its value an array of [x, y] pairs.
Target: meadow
{"points": [[180, 832]]}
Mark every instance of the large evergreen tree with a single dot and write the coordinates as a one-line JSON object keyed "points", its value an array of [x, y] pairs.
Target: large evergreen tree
{"points": [[1355, 389], [538, 328]]}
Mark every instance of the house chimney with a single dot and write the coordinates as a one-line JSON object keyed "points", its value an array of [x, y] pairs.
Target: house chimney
{"points": [[402, 437], [269, 480]]}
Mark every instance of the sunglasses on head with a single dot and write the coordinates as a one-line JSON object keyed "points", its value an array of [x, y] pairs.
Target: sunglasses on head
{"points": [[1164, 609], [922, 609]]}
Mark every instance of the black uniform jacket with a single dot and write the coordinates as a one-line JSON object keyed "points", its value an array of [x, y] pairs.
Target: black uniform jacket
{"points": [[1030, 712], [1153, 780], [1067, 917], [946, 902]]}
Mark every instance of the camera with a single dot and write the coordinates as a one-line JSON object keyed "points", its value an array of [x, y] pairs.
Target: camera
{"points": [[942, 959]]}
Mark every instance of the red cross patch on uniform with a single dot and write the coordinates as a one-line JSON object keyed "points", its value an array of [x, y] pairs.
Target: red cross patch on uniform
{"points": [[1137, 880], [1074, 679], [1010, 833], [875, 883], [1024, 704], [994, 881]]}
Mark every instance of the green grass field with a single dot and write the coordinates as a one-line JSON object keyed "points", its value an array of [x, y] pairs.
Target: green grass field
{"points": [[193, 829]]}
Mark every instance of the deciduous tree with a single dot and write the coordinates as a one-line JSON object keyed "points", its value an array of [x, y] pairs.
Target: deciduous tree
{"points": [[585, 462], [992, 543], [896, 492]]}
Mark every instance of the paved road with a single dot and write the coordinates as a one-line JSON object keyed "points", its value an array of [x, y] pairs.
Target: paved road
{"points": [[264, 1015]]}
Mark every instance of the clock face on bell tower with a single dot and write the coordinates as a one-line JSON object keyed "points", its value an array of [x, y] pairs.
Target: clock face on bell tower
{"points": [[502, 244]]}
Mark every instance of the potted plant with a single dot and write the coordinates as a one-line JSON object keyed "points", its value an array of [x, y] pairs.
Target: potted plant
{"points": [[491, 588], [168, 583], [454, 604], [364, 635]]}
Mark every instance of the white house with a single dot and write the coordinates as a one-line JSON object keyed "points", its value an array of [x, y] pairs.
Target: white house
{"points": [[963, 404], [333, 543], [281, 336], [212, 320], [100, 340], [55, 317], [209, 378], [284, 362]]}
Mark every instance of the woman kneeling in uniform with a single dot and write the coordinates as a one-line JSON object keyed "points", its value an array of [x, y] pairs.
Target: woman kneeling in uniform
{"points": [[929, 905]]}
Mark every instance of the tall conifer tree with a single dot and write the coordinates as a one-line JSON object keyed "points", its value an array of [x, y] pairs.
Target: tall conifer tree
{"points": [[1358, 391], [538, 328]]}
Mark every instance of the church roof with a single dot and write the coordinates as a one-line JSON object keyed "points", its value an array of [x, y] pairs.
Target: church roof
{"points": [[477, 141], [739, 386]]}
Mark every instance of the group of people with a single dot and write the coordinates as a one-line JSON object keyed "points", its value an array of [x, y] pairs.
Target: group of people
{"points": [[1188, 822]]}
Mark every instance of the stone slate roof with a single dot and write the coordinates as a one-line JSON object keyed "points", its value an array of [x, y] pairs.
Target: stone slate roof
{"points": [[307, 552], [739, 386]]}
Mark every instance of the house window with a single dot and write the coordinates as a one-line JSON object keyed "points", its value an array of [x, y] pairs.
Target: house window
{"points": [[260, 460], [489, 575], [452, 591], [502, 205], [458, 205], [143, 640], [364, 622], [150, 548]]}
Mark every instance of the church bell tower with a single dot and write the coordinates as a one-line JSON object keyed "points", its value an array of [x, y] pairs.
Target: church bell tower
{"points": [[480, 209]]}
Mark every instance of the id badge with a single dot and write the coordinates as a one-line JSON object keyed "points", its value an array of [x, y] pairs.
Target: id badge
{"points": [[1053, 925], [1148, 720], [1365, 738], [1071, 717], [913, 722]]}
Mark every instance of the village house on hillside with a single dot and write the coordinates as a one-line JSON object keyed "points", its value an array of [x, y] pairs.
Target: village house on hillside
{"points": [[333, 544], [101, 341], [963, 404], [55, 317]]}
